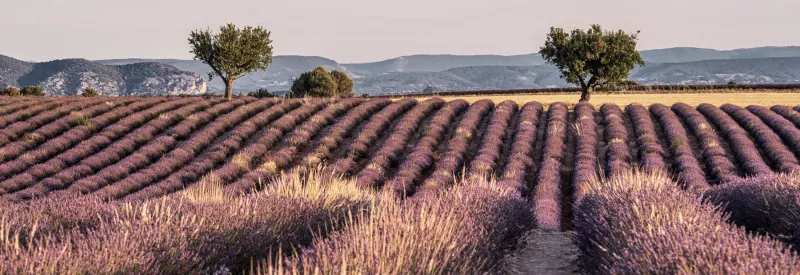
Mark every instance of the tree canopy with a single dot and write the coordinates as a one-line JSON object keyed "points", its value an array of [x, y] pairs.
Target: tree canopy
{"points": [[593, 58], [33, 91], [232, 52], [321, 83]]}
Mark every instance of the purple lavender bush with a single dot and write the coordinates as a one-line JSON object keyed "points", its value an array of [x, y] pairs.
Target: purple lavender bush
{"points": [[644, 223]]}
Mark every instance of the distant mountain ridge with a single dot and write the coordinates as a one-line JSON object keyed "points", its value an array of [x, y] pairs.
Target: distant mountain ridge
{"points": [[62, 77], [414, 73]]}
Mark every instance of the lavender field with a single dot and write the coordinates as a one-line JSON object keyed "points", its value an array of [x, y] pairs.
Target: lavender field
{"points": [[186, 185]]}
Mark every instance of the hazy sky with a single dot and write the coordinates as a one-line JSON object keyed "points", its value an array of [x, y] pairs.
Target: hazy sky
{"points": [[372, 30]]}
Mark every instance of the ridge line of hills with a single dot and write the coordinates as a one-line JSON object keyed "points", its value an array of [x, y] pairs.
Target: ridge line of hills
{"points": [[414, 73]]}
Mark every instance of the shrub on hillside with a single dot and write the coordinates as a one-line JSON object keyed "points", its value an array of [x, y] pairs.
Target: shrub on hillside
{"points": [[261, 93], [321, 83], [766, 204], [644, 223], [89, 92], [33, 91], [10, 91]]}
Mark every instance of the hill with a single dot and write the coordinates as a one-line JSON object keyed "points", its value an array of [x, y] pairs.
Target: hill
{"points": [[414, 73], [61, 77]]}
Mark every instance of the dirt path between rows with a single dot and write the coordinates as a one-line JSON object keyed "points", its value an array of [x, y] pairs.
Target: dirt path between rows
{"points": [[543, 253]]}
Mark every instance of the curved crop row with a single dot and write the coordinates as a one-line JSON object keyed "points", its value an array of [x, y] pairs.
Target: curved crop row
{"points": [[244, 160], [85, 149], [618, 155], [448, 163], [78, 132], [280, 157], [486, 161], [153, 151], [691, 175], [389, 153], [338, 132], [50, 131], [651, 153], [714, 154], [14, 106], [547, 195], [644, 224], [783, 159], [520, 158], [368, 136], [787, 113], [585, 163], [16, 131], [182, 153], [422, 157], [30, 111], [783, 127], [746, 152], [121, 148], [74, 128], [215, 155]]}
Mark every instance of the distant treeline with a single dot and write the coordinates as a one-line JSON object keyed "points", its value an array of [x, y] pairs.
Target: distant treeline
{"points": [[638, 89]]}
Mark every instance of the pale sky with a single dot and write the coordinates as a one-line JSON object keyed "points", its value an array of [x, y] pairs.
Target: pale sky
{"points": [[373, 30]]}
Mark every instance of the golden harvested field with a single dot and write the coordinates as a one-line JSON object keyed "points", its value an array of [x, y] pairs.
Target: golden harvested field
{"points": [[767, 98]]}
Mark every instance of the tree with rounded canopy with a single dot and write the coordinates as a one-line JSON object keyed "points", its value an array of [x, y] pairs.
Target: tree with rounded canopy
{"points": [[89, 92], [344, 85], [33, 91], [315, 83], [593, 58], [232, 52]]}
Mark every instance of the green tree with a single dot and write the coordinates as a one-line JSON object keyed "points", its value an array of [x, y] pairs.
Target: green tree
{"points": [[593, 58], [315, 83], [232, 52], [344, 85], [33, 91], [89, 92], [261, 93], [10, 91]]}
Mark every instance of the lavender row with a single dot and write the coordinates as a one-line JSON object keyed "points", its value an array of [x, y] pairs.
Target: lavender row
{"points": [[713, 153], [774, 148], [547, 195], [30, 110], [152, 151], [34, 138], [183, 152], [787, 113], [84, 150], [644, 224], [520, 158], [651, 153], [421, 157], [375, 173], [618, 156], [746, 152], [486, 161], [17, 130], [585, 163], [336, 134], [783, 127], [76, 134], [15, 106], [216, 155], [118, 150], [763, 204], [448, 164], [279, 158], [256, 149], [692, 177], [368, 136]]}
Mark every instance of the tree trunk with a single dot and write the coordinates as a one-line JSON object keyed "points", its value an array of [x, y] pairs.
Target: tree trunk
{"points": [[229, 89], [586, 94]]}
